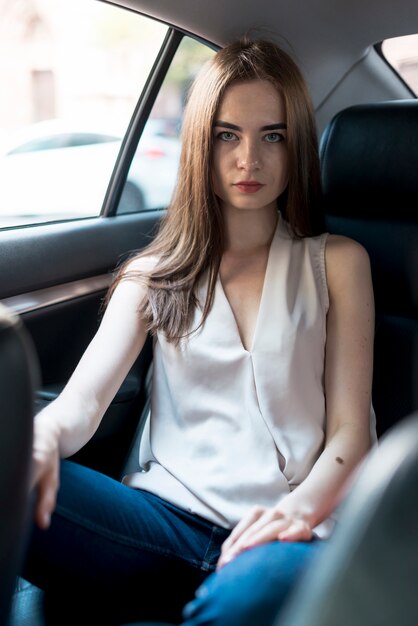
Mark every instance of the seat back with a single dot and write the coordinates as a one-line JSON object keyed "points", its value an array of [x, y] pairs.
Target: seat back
{"points": [[369, 161], [18, 375]]}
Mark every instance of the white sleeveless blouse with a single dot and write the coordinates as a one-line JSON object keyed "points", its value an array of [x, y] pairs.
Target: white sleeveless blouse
{"points": [[229, 427]]}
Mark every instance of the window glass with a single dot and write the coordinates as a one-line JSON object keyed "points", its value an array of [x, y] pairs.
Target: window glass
{"points": [[402, 54], [70, 76], [152, 175]]}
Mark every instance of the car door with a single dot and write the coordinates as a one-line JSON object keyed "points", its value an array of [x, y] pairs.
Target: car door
{"points": [[55, 266]]}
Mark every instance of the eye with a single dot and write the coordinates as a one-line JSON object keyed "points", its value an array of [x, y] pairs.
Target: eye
{"points": [[226, 135], [273, 138]]}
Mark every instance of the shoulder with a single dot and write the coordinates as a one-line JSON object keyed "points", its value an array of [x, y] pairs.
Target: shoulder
{"points": [[140, 265], [341, 252], [339, 246], [129, 288], [347, 262], [138, 270]]}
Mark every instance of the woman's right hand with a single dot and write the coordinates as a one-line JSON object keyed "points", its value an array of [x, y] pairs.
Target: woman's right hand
{"points": [[45, 478], [69, 422]]}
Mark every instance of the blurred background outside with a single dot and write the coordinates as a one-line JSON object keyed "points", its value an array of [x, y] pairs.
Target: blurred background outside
{"points": [[71, 74]]}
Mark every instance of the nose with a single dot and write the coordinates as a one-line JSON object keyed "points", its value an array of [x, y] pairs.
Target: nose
{"points": [[248, 157]]}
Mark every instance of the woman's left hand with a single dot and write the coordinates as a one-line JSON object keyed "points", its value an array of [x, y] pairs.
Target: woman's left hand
{"points": [[264, 525]]}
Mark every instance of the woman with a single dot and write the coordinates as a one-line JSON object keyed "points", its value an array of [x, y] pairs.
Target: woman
{"points": [[261, 395]]}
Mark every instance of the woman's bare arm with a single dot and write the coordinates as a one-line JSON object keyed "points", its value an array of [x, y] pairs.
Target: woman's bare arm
{"points": [[348, 380], [65, 425]]}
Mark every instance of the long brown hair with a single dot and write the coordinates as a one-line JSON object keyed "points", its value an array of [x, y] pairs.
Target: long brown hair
{"points": [[189, 243]]}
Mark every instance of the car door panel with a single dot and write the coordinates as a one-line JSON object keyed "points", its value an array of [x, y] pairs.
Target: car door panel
{"points": [[66, 251], [59, 301]]}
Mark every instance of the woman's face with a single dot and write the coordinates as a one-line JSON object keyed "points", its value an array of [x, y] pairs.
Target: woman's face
{"points": [[250, 160]]}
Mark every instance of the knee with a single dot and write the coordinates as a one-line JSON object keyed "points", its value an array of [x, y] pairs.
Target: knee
{"points": [[214, 605], [235, 596], [251, 589]]}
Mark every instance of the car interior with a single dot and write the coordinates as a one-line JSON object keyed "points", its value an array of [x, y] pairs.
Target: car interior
{"points": [[54, 276]]}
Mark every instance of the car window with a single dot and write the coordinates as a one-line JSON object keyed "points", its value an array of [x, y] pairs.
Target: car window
{"points": [[153, 171], [70, 77], [402, 54]]}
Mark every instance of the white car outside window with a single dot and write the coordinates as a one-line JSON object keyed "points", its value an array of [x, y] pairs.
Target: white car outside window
{"points": [[57, 170]]}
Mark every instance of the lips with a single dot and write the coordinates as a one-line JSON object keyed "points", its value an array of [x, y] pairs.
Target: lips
{"points": [[248, 186]]}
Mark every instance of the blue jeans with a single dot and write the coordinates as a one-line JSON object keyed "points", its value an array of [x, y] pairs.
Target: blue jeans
{"points": [[114, 554]]}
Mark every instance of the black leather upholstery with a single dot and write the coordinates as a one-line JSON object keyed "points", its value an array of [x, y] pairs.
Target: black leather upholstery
{"points": [[369, 160], [367, 574], [18, 371]]}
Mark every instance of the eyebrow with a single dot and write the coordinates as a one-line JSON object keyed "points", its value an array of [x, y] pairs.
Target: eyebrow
{"points": [[222, 124]]}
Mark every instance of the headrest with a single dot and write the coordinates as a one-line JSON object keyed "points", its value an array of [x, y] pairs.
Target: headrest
{"points": [[369, 161]]}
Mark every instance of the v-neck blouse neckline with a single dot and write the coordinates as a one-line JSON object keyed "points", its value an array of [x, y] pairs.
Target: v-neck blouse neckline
{"points": [[247, 426], [250, 350]]}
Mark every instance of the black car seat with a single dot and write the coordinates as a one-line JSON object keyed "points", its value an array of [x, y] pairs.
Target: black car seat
{"points": [[369, 162], [367, 575], [18, 375]]}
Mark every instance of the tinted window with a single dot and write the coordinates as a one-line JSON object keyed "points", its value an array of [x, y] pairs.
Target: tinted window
{"points": [[70, 77], [153, 170]]}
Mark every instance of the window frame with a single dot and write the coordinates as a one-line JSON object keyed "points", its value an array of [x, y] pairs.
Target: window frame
{"points": [[379, 49], [141, 114], [138, 121]]}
